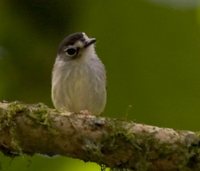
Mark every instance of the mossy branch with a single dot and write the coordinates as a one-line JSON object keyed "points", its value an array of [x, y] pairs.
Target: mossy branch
{"points": [[36, 128]]}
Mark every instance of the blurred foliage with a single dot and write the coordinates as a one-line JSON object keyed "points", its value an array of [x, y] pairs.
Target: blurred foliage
{"points": [[151, 50]]}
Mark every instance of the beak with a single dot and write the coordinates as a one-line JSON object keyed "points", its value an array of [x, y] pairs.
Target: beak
{"points": [[89, 42]]}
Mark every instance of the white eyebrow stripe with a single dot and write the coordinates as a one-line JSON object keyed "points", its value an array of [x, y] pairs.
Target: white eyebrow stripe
{"points": [[79, 44]]}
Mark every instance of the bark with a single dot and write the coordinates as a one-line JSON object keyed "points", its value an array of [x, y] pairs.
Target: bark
{"points": [[31, 129]]}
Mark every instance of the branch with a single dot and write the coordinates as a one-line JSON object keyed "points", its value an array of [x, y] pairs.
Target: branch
{"points": [[36, 128]]}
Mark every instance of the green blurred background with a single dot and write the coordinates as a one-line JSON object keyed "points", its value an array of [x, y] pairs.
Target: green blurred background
{"points": [[151, 50]]}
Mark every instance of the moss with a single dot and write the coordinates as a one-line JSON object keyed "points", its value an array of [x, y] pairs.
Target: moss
{"points": [[8, 124], [39, 114], [15, 108], [15, 142], [7, 115], [92, 152], [120, 142], [145, 149]]}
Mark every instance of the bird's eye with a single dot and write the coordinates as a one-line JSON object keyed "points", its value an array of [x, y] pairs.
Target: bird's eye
{"points": [[71, 51]]}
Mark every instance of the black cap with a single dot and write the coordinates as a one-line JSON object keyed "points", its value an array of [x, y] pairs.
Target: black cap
{"points": [[70, 40]]}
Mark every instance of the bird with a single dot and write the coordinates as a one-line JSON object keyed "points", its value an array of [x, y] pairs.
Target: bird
{"points": [[78, 76]]}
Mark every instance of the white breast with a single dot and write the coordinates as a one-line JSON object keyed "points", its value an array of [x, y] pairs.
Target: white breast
{"points": [[79, 85]]}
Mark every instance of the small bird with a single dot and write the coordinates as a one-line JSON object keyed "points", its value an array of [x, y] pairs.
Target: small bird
{"points": [[79, 76]]}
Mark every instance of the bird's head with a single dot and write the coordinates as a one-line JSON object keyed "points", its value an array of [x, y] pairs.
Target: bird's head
{"points": [[76, 46]]}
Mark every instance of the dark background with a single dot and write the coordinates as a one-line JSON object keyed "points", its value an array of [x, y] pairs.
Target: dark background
{"points": [[151, 50]]}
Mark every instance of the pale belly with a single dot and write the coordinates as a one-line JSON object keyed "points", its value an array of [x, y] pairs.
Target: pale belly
{"points": [[80, 90]]}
